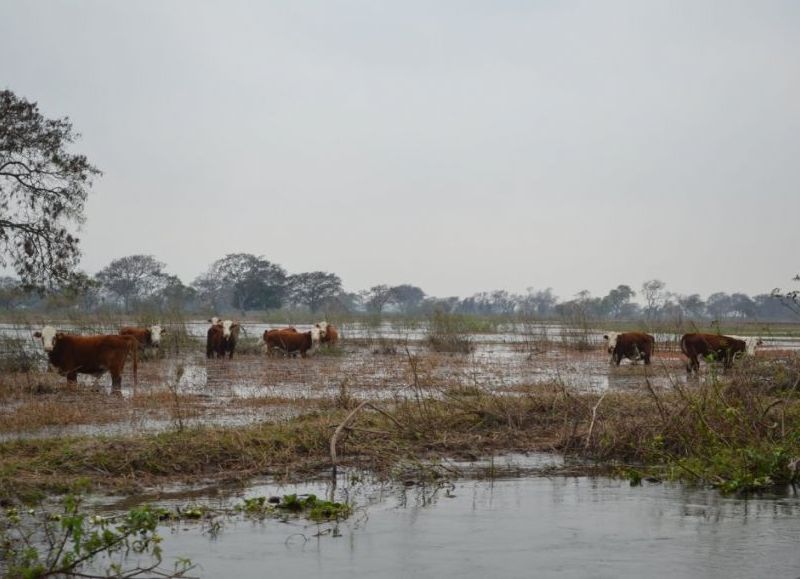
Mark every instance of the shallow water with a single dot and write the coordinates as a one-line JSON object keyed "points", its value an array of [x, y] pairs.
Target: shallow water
{"points": [[515, 527]]}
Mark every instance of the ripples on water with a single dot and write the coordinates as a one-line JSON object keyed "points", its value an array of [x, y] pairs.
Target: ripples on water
{"points": [[516, 527]]}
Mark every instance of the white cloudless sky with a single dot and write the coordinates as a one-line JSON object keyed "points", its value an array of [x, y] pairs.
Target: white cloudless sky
{"points": [[461, 146]]}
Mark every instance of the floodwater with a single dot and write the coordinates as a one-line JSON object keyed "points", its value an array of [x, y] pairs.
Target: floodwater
{"points": [[253, 387], [510, 527]]}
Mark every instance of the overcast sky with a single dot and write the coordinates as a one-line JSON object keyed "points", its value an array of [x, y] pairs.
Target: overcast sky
{"points": [[460, 146]]}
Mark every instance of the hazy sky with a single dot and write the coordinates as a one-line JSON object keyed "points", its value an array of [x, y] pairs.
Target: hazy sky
{"points": [[460, 146]]}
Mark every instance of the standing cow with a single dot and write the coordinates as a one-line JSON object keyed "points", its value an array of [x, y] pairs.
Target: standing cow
{"points": [[722, 348], [632, 345], [328, 333], [221, 338], [149, 337], [95, 355], [290, 341]]}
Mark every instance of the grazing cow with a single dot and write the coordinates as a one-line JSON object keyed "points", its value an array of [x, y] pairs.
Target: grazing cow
{"points": [[328, 333], [73, 355], [147, 337], [292, 341], [724, 348], [632, 345]]}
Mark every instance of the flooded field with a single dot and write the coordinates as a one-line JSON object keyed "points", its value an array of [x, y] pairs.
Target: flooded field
{"points": [[508, 526], [474, 464], [384, 363]]}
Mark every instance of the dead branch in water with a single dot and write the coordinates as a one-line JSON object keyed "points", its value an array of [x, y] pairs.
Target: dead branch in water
{"points": [[594, 416], [344, 425]]}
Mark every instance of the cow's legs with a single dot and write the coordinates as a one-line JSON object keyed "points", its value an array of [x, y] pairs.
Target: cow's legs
{"points": [[116, 381], [72, 378]]}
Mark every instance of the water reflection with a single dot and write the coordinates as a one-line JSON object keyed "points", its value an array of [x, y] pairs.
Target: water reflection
{"points": [[523, 527]]}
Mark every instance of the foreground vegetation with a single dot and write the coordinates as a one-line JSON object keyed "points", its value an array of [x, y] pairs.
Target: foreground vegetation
{"points": [[737, 432]]}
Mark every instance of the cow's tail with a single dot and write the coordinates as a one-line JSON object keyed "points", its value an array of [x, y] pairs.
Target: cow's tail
{"points": [[684, 350]]}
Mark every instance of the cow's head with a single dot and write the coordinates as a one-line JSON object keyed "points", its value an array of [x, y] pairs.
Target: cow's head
{"points": [[611, 339], [229, 326], [751, 344], [316, 335], [323, 329], [48, 336], [155, 334], [214, 321]]}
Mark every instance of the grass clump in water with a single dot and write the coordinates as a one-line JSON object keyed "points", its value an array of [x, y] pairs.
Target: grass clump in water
{"points": [[450, 333]]}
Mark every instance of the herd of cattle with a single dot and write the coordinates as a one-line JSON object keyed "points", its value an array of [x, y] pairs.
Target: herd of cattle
{"points": [[72, 355], [639, 346]]}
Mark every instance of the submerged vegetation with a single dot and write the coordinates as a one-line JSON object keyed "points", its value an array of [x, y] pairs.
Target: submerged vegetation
{"points": [[740, 431]]}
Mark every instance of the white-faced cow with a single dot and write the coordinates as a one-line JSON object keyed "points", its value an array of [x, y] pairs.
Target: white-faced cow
{"points": [[290, 341], [221, 338], [149, 337], [720, 348], [95, 355], [632, 345], [328, 333]]}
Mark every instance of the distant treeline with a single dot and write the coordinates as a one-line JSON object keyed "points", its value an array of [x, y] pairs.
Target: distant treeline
{"points": [[243, 282]]}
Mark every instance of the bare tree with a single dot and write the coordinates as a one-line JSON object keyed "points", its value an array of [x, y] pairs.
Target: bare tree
{"points": [[43, 189], [789, 299], [377, 297], [653, 293]]}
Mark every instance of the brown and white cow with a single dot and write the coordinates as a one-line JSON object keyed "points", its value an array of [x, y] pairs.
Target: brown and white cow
{"points": [[632, 345], [95, 355], [221, 338], [214, 341], [149, 337], [328, 333], [721, 348], [291, 341]]}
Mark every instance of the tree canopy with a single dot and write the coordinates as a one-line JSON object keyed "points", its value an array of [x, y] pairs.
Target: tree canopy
{"points": [[43, 189]]}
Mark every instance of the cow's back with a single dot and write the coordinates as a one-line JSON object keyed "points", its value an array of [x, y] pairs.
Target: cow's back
{"points": [[289, 340], [331, 335], [142, 335]]}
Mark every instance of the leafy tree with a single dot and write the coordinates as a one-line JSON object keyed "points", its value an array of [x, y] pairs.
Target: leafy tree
{"points": [[43, 189], [213, 291], [133, 278], [743, 305], [174, 295], [539, 302], [719, 305], [253, 282], [692, 305], [314, 289], [617, 300], [407, 297]]}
